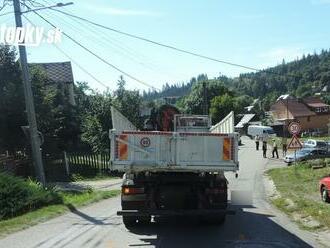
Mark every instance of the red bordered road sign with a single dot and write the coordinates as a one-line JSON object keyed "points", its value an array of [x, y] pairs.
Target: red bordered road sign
{"points": [[295, 143], [294, 128]]}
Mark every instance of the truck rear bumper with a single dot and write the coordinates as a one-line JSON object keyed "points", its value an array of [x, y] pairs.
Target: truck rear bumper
{"points": [[195, 212]]}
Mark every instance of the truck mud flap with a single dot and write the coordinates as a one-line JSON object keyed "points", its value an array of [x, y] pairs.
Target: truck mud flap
{"points": [[199, 212]]}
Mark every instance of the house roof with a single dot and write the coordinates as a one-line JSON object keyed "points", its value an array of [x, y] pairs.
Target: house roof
{"points": [[318, 105], [60, 72], [315, 102], [284, 97], [298, 108], [245, 119]]}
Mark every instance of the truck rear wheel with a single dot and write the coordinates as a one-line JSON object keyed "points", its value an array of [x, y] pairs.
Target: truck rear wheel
{"points": [[129, 221], [144, 220]]}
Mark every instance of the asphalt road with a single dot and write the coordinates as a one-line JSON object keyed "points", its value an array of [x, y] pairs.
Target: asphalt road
{"points": [[257, 225]]}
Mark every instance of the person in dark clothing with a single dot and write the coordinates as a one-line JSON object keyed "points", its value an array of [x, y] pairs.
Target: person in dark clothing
{"points": [[274, 149], [284, 146], [264, 148], [257, 139]]}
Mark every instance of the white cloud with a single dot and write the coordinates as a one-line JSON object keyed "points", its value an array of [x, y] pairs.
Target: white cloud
{"points": [[121, 12], [320, 2], [279, 53]]}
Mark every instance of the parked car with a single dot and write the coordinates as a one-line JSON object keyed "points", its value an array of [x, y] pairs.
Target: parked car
{"points": [[305, 154], [311, 143], [316, 132], [312, 132], [325, 188]]}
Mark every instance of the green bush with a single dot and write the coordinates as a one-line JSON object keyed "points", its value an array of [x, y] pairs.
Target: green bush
{"points": [[18, 196]]}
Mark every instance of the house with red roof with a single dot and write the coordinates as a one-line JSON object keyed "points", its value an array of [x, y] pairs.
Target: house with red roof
{"points": [[311, 112]]}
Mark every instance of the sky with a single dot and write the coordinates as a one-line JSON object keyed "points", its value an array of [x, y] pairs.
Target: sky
{"points": [[254, 33]]}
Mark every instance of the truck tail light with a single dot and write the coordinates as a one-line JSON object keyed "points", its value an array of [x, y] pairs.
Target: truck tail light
{"points": [[227, 149], [132, 191]]}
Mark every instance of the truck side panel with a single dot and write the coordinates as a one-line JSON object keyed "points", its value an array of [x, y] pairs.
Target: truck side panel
{"points": [[173, 151]]}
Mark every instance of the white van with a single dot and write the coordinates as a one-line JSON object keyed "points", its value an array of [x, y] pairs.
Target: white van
{"points": [[262, 131]]}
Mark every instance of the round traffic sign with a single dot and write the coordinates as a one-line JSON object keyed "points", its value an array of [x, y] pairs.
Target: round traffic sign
{"points": [[294, 128], [145, 142]]}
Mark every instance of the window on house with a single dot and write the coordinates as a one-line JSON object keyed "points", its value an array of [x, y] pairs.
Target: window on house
{"points": [[308, 118], [317, 110]]}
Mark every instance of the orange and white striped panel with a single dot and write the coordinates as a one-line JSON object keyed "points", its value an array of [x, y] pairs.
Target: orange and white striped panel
{"points": [[123, 148], [226, 149]]}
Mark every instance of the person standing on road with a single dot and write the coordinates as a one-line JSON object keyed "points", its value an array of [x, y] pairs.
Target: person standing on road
{"points": [[264, 148], [274, 149], [257, 139], [284, 146]]}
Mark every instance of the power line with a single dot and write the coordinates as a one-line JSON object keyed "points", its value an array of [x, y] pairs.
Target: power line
{"points": [[171, 47], [7, 13], [4, 4], [97, 56], [101, 40], [118, 46], [157, 43], [74, 61]]}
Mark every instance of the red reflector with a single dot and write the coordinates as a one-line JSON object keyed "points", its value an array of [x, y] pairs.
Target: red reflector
{"points": [[132, 191]]}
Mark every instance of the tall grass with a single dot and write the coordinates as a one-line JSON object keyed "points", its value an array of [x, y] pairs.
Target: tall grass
{"points": [[18, 196]]}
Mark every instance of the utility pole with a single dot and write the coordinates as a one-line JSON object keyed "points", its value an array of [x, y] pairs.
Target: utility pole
{"points": [[35, 139], [205, 107]]}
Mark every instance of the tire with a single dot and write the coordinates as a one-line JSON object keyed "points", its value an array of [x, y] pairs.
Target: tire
{"points": [[129, 221], [325, 195], [144, 220]]}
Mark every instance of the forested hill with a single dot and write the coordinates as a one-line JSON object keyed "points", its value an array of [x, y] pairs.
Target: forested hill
{"points": [[176, 90], [302, 77]]}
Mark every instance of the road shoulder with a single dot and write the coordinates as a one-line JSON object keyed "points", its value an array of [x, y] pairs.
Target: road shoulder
{"points": [[303, 224]]}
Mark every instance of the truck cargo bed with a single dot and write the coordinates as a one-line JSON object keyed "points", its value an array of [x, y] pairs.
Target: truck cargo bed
{"points": [[173, 151]]}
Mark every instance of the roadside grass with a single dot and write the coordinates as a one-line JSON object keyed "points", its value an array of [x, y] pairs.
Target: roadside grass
{"points": [[76, 177], [299, 195], [70, 200]]}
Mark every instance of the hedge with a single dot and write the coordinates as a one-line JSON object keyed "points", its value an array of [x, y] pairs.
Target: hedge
{"points": [[18, 196]]}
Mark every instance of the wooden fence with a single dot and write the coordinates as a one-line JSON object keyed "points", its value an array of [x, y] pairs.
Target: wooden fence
{"points": [[87, 164], [16, 164], [59, 167]]}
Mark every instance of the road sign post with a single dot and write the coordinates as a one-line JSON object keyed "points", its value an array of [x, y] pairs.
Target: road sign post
{"points": [[295, 143], [294, 128]]}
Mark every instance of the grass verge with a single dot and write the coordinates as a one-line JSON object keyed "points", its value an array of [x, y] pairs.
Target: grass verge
{"points": [[76, 177], [70, 199], [299, 195]]}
